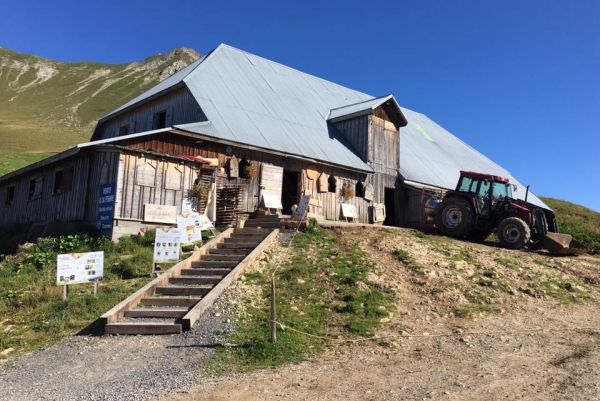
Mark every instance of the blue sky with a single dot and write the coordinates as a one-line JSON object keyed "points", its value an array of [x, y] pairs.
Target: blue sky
{"points": [[517, 80]]}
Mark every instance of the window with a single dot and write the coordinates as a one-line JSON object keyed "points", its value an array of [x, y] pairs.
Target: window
{"points": [[63, 180], [160, 119], [466, 185], [10, 195], [124, 130], [331, 184], [359, 190], [35, 188]]}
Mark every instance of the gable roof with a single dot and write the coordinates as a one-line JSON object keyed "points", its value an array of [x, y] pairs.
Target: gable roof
{"points": [[431, 155], [366, 107]]}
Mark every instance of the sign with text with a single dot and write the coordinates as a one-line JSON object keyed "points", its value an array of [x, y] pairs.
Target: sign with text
{"points": [[302, 209], [76, 268], [167, 244], [106, 206], [272, 201], [191, 226], [160, 213], [349, 210]]}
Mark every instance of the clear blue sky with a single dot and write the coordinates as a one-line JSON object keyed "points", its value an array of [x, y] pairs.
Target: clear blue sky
{"points": [[519, 80]]}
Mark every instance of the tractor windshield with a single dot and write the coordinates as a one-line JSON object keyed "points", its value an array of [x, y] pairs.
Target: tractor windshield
{"points": [[501, 190]]}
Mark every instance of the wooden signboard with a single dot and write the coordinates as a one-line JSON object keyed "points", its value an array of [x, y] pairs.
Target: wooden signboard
{"points": [[349, 211], [271, 201], [369, 192], [302, 209], [271, 182], [234, 170], [323, 184], [145, 175], [160, 213], [311, 172], [378, 212], [173, 179]]}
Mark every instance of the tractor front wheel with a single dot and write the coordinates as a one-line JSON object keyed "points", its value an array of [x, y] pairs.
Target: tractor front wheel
{"points": [[513, 233], [454, 217]]}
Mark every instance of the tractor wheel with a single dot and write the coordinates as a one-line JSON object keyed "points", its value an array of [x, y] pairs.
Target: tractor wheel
{"points": [[454, 217], [513, 233]]}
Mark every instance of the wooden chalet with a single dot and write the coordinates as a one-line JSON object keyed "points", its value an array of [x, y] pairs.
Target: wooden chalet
{"points": [[255, 132]]}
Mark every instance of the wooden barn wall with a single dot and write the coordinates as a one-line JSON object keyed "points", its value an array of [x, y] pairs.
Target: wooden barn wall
{"points": [[133, 192], [356, 131], [330, 202], [412, 214], [104, 169], [184, 110], [67, 206]]}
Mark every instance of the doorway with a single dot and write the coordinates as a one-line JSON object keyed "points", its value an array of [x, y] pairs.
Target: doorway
{"points": [[289, 190], [390, 202]]}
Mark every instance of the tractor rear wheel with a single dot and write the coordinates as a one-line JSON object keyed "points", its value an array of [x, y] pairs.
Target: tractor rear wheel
{"points": [[513, 233], [454, 217]]}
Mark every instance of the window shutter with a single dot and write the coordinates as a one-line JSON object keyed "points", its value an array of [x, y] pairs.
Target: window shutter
{"points": [[132, 127]]}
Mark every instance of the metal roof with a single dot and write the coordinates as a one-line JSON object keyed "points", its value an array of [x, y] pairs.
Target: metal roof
{"points": [[362, 108], [431, 155], [258, 102]]}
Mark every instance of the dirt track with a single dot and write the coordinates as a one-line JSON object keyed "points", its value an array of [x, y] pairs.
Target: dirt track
{"points": [[530, 345]]}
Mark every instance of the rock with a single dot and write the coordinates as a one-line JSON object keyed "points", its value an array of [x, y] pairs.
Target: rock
{"points": [[217, 314], [362, 286], [459, 384], [7, 351], [300, 281]]}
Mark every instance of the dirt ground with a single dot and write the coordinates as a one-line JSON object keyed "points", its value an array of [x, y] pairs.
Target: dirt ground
{"points": [[473, 322]]}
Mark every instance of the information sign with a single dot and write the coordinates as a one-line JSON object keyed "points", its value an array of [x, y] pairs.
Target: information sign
{"points": [[167, 244], [75, 268], [106, 206]]}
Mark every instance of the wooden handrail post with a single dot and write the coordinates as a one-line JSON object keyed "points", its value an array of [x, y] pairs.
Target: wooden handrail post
{"points": [[273, 314]]}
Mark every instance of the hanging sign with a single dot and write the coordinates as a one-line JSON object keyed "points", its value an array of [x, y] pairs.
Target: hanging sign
{"points": [[369, 192], [311, 172], [76, 268], [323, 184], [106, 207], [167, 244], [234, 171]]}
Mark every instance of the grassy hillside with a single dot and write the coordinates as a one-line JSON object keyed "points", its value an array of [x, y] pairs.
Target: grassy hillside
{"points": [[582, 223], [47, 106]]}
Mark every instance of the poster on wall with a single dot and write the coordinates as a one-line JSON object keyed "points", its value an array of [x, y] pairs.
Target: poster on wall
{"points": [[160, 213], [271, 201], [106, 206], [167, 244], [349, 210], [76, 268]]}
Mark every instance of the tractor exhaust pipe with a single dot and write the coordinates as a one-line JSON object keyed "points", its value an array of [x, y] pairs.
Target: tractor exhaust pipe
{"points": [[527, 192]]}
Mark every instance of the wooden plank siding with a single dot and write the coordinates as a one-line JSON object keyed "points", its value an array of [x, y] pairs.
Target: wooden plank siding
{"points": [[66, 206], [184, 109], [355, 131]]}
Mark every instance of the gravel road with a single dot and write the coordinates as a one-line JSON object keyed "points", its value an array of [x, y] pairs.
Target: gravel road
{"points": [[93, 367]]}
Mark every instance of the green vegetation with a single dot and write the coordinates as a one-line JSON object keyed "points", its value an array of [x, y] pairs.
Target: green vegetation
{"points": [[48, 106], [322, 291], [582, 223], [32, 312], [10, 161], [408, 260]]}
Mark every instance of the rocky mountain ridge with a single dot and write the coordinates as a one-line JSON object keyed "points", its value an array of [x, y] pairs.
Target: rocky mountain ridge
{"points": [[48, 105]]}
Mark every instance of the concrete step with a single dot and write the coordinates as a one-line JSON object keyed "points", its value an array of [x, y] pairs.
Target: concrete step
{"points": [[176, 290], [170, 301], [192, 280], [214, 264], [157, 313], [205, 272], [223, 258], [142, 328]]}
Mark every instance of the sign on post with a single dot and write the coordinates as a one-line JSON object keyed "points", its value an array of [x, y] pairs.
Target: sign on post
{"points": [[167, 244], [106, 206], [191, 226], [302, 209], [77, 268]]}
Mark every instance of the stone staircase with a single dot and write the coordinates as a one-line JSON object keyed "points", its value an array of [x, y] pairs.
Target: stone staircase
{"points": [[165, 307]]}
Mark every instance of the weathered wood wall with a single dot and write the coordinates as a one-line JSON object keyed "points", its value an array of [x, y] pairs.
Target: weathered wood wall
{"points": [[180, 105], [356, 132], [66, 206]]}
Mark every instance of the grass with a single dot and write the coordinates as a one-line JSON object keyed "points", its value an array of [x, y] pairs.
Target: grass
{"points": [[322, 291], [404, 257], [10, 161], [32, 312], [582, 223]]}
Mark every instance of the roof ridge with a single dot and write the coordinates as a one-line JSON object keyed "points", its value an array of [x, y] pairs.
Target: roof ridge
{"points": [[363, 101]]}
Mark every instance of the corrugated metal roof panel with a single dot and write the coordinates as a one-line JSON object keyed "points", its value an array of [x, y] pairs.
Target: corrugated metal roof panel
{"points": [[431, 155]]}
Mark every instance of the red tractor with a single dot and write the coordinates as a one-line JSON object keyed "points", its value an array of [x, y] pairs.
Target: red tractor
{"points": [[483, 203]]}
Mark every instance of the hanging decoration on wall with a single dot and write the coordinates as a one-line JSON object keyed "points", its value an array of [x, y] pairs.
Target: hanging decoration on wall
{"points": [[311, 172], [323, 183], [233, 167], [369, 192]]}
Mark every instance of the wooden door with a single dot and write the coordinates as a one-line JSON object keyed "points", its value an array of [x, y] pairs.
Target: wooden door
{"points": [[271, 182]]}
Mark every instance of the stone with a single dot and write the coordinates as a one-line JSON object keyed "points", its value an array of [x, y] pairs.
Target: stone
{"points": [[300, 281]]}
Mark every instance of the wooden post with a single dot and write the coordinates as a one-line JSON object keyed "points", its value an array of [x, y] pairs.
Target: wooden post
{"points": [[96, 288], [273, 314], [65, 292]]}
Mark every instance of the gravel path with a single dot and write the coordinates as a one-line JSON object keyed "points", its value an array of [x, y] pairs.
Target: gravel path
{"points": [[114, 367]]}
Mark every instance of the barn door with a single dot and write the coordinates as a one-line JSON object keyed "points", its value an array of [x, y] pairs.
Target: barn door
{"points": [[271, 181]]}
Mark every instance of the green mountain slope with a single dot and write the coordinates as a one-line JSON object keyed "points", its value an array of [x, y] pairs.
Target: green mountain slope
{"points": [[582, 223], [47, 106]]}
